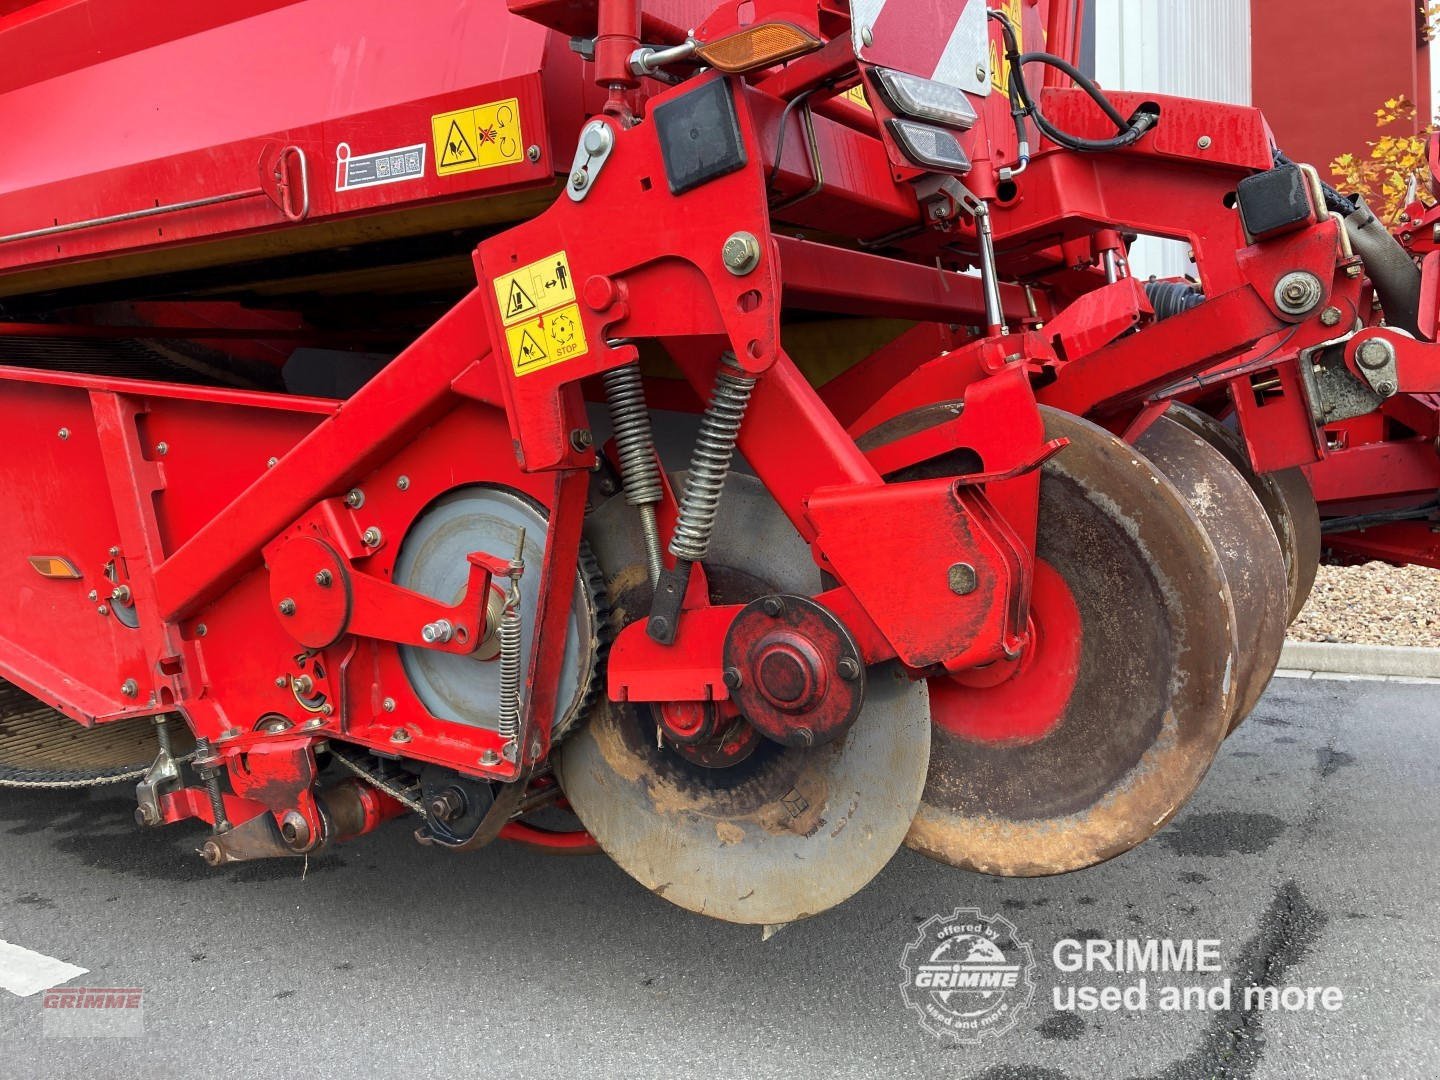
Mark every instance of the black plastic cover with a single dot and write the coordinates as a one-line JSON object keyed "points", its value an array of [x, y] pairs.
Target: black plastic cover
{"points": [[699, 136], [1274, 202]]}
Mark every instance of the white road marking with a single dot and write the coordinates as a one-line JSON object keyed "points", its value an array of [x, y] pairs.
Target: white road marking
{"points": [[24, 972]]}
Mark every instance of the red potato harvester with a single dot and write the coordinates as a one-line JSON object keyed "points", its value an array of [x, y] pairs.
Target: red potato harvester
{"points": [[730, 438]]}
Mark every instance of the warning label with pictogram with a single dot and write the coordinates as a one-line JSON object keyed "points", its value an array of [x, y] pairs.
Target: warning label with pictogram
{"points": [[541, 286], [546, 339], [478, 138]]}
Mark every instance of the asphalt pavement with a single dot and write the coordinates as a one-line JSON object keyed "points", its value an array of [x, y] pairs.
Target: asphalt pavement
{"points": [[1309, 855]]}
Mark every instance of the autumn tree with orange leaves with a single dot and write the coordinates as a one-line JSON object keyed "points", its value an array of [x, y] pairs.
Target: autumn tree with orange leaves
{"points": [[1392, 168]]}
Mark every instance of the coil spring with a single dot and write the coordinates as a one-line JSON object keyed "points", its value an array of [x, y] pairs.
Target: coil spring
{"points": [[508, 708], [634, 442], [710, 464]]}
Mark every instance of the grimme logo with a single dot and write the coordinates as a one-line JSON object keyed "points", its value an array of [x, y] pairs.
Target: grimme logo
{"points": [[968, 975]]}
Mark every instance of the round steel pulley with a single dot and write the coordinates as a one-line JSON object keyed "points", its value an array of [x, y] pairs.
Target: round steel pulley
{"points": [[783, 832], [1286, 496], [433, 561], [1099, 732], [1243, 538]]}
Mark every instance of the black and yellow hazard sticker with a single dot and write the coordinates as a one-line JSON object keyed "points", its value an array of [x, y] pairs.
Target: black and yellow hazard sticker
{"points": [[478, 138], [856, 96], [539, 287], [546, 339], [542, 320]]}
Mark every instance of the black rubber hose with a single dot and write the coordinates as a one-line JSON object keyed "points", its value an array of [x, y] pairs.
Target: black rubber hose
{"points": [[1396, 277], [1335, 202]]}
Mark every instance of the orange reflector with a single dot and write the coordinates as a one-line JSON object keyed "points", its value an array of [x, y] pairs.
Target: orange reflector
{"points": [[756, 47], [53, 566]]}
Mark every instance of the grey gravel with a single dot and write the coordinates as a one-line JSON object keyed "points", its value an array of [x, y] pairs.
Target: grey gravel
{"points": [[1373, 604]]}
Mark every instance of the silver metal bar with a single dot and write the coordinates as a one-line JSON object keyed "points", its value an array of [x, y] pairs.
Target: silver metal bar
{"points": [[131, 215]]}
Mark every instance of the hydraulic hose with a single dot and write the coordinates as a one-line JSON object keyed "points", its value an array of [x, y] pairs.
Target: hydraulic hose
{"points": [[1396, 277]]}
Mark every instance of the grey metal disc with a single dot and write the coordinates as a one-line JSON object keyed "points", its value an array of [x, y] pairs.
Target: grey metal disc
{"points": [[1248, 547], [1286, 496], [432, 561], [785, 834]]}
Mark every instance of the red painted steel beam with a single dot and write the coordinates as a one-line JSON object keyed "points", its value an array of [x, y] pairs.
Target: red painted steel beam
{"points": [[1384, 470], [398, 402], [823, 278]]}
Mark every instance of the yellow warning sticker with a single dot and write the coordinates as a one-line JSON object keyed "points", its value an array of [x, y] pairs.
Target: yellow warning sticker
{"points": [[477, 138], [536, 288], [856, 94], [545, 340], [999, 66]]}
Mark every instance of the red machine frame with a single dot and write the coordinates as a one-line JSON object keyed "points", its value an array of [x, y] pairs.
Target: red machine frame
{"points": [[215, 510]]}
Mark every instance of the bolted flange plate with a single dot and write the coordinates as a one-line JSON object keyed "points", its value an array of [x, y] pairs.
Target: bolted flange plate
{"points": [[801, 679]]}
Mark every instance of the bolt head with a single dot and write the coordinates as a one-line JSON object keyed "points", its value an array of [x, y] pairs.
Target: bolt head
{"points": [[403, 483], [400, 735], [355, 498], [867, 36], [1386, 389], [103, 609], [732, 678], [1375, 354], [581, 439], [371, 537], [64, 433], [388, 704], [489, 758], [578, 180], [848, 668], [1204, 142], [286, 606], [1330, 316], [270, 463], [740, 253], [130, 688], [532, 152], [162, 448], [324, 578], [963, 579], [201, 630], [93, 594], [282, 682], [773, 606], [597, 138]]}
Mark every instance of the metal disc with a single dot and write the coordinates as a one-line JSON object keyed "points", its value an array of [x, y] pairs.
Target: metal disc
{"points": [[432, 561], [1247, 545], [1116, 709], [1286, 496], [789, 831]]}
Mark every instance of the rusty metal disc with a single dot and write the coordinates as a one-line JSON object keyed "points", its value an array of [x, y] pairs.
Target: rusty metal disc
{"points": [[1247, 545], [1116, 709], [785, 833], [1286, 496]]}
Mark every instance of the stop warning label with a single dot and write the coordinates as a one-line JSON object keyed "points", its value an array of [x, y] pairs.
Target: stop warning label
{"points": [[545, 340]]}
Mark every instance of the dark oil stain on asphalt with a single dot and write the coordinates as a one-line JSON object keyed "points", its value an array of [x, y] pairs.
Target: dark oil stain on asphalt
{"points": [[1330, 760], [1193, 877], [1233, 1042], [1225, 832], [1061, 1025], [101, 834]]}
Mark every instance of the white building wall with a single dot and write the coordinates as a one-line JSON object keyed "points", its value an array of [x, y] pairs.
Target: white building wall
{"points": [[1188, 48]]}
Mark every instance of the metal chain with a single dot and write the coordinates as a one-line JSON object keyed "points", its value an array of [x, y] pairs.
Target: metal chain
{"points": [[380, 785], [94, 781]]}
